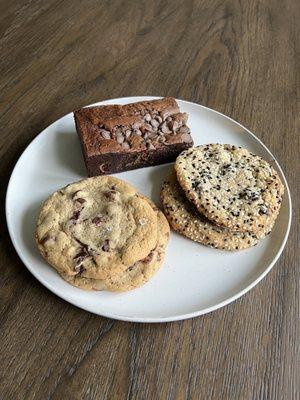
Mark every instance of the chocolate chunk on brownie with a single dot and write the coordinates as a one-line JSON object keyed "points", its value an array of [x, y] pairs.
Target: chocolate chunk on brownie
{"points": [[117, 138]]}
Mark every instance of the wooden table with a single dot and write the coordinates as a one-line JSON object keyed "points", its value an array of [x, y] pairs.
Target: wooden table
{"points": [[238, 57]]}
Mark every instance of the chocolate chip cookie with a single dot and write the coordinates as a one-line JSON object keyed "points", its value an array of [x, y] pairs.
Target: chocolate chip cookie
{"points": [[186, 220], [98, 226], [230, 186], [136, 275]]}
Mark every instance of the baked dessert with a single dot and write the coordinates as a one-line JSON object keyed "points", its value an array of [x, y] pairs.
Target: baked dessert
{"points": [[117, 138], [185, 219], [232, 187], [136, 275], [100, 234], [97, 227]]}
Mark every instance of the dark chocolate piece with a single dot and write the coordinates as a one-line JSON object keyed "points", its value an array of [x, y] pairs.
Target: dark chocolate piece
{"points": [[117, 138]]}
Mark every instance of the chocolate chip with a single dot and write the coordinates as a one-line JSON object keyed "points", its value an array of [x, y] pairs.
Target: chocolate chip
{"points": [[81, 256], [136, 125], [164, 128], [80, 269], [110, 194], [98, 220], [81, 244], [46, 238], [75, 216], [120, 138], [79, 260], [149, 257], [105, 246], [105, 134], [127, 133], [80, 200], [148, 117], [154, 123]]}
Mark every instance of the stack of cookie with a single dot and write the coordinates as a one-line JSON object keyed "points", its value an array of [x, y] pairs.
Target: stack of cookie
{"points": [[101, 234], [222, 196]]}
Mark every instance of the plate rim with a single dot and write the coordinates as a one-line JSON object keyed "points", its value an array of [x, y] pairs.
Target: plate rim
{"points": [[151, 319]]}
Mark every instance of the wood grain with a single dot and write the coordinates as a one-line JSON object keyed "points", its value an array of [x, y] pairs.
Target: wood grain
{"points": [[238, 57]]}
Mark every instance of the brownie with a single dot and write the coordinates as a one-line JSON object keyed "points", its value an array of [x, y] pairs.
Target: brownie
{"points": [[117, 138]]}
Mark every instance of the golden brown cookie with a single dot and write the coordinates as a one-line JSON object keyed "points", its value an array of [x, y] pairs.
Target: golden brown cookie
{"points": [[230, 186], [136, 275], [186, 220], [99, 226]]}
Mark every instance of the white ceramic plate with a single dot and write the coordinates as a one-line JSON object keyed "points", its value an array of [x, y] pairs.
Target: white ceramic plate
{"points": [[194, 279]]}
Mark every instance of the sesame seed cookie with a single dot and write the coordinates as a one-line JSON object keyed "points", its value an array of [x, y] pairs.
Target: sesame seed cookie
{"points": [[186, 220], [99, 226], [230, 186], [136, 275]]}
